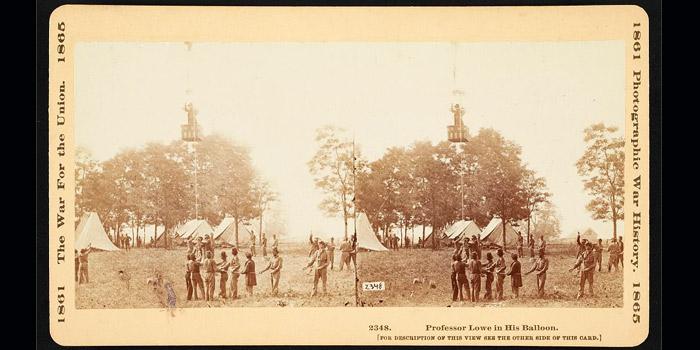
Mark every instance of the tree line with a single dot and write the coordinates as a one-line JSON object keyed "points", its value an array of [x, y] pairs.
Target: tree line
{"points": [[155, 185], [434, 185], [420, 185]]}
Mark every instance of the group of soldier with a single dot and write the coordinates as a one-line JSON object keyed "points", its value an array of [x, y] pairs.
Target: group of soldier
{"points": [[200, 260], [468, 270], [590, 255]]}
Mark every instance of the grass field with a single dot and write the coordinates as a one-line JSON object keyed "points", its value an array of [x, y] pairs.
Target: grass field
{"points": [[396, 268], [107, 290]]}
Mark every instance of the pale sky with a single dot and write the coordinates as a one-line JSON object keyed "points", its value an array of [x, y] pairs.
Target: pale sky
{"points": [[272, 96]]}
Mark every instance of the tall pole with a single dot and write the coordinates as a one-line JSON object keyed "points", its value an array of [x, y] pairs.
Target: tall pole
{"points": [[196, 184], [354, 219]]}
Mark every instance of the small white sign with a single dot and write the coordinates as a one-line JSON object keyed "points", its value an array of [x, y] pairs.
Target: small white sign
{"points": [[372, 286]]}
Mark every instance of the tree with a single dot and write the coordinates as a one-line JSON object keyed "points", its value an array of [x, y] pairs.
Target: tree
{"points": [[546, 222], [499, 177], [332, 168], [263, 197], [434, 182], [85, 166], [227, 176], [602, 167], [535, 191]]}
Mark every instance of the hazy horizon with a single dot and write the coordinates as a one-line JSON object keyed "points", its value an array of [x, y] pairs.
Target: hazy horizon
{"points": [[271, 97]]}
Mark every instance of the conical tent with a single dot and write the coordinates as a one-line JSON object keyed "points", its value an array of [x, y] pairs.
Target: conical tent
{"points": [[226, 232], [493, 234], [90, 232], [461, 229], [366, 238], [194, 229]]}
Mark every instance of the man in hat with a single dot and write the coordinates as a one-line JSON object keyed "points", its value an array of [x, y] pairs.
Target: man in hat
{"points": [[500, 271], [223, 272], [520, 244], [234, 272], [474, 275], [197, 284], [275, 267], [345, 249], [212, 244], [252, 243], [249, 271], [613, 256], [331, 252], [313, 244], [263, 245], [540, 267], [621, 252], [320, 264], [83, 259], [588, 262], [275, 242], [209, 276]]}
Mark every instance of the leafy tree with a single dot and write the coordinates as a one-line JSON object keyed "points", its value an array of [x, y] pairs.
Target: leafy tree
{"points": [[535, 191], [332, 169], [499, 177], [602, 167], [263, 196]]}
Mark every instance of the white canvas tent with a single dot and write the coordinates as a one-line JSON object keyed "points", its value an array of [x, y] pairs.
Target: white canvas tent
{"points": [[194, 229], [225, 232], [493, 234], [366, 237], [90, 232], [462, 229]]}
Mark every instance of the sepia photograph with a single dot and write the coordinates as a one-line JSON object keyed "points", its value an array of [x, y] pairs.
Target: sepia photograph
{"points": [[349, 174]]}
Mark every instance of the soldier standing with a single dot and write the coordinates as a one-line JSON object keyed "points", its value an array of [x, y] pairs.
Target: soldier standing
{"points": [[520, 244], [345, 249], [331, 252], [320, 264], [540, 267], [599, 254], [263, 245], [531, 245], [621, 252], [488, 271], [275, 267], [249, 271], [516, 278], [474, 269], [275, 242], [197, 283], [613, 250], [588, 262], [209, 277], [500, 270], [543, 244], [83, 258], [313, 244], [77, 265], [223, 272], [188, 276], [252, 244], [234, 269], [459, 278]]}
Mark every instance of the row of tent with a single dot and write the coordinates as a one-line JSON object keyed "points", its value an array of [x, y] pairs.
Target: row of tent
{"points": [[492, 234], [91, 232]]}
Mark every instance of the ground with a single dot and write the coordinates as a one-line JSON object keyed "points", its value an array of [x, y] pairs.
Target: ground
{"points": [[397, 269], [107, 290]]}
